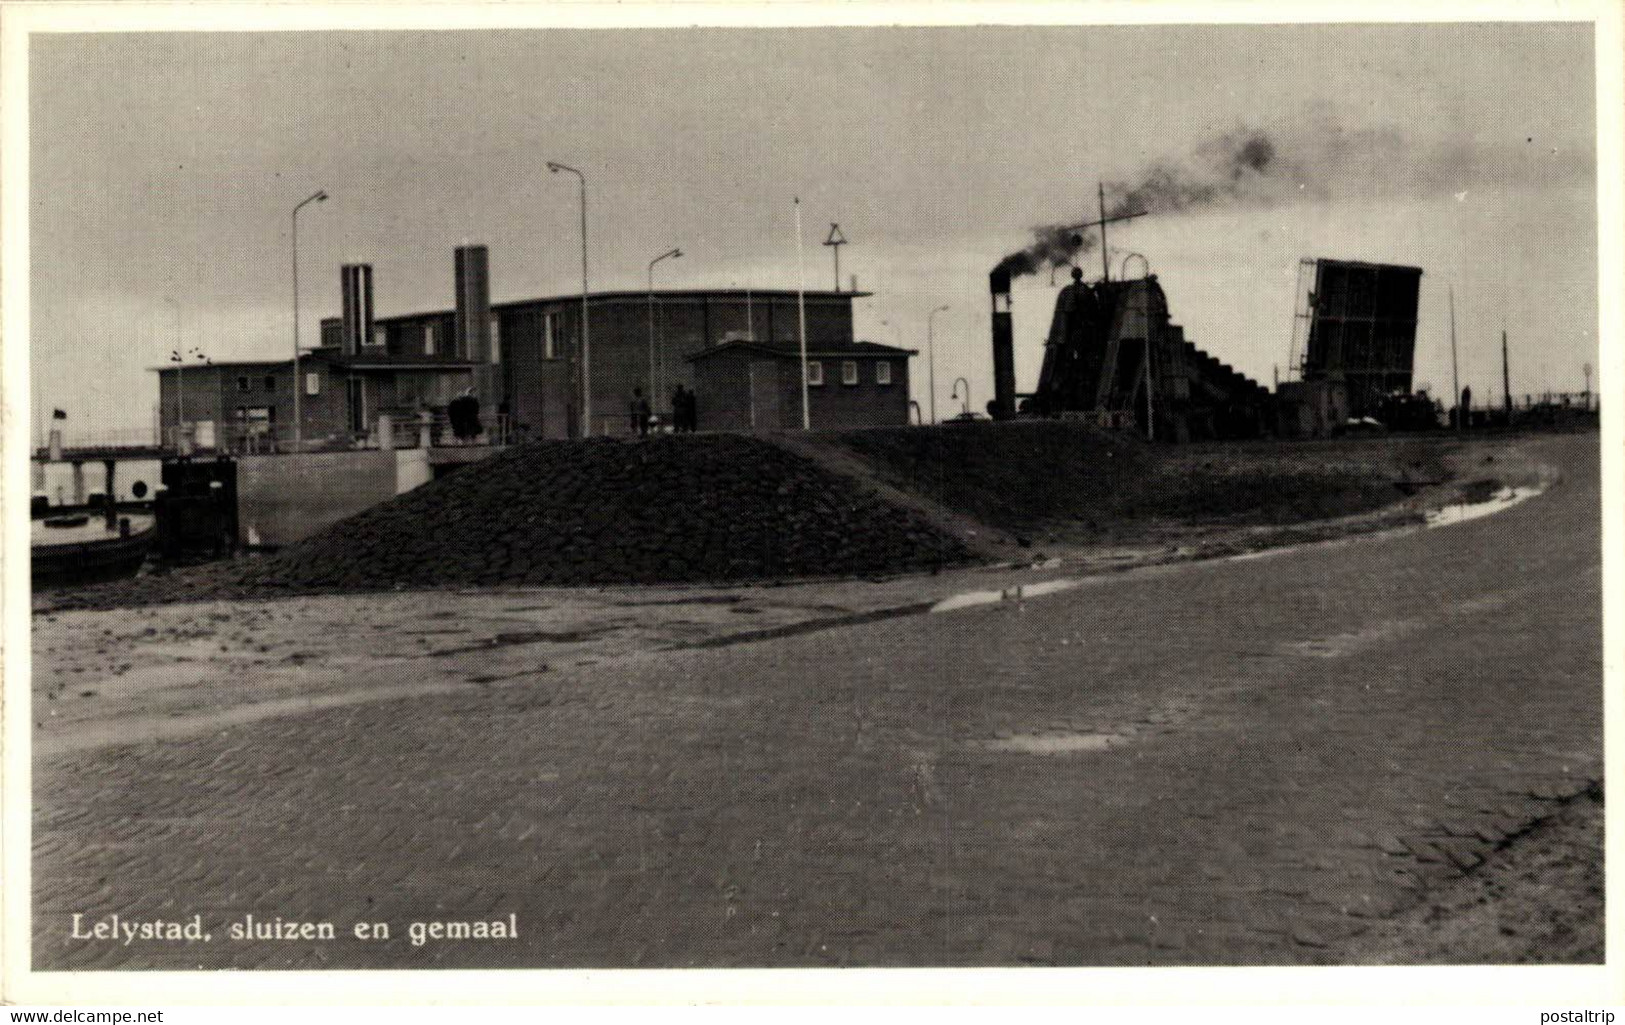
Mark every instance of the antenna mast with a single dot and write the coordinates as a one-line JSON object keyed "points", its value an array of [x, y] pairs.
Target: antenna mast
{"points": [[835, 241]]}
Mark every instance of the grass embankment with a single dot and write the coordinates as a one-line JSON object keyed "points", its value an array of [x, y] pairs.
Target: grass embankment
{"points": [[1052, 475]]}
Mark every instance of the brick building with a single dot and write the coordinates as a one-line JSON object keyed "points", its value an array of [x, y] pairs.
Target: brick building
{"points": [[247, 406], [523, 360], [743, 385]]}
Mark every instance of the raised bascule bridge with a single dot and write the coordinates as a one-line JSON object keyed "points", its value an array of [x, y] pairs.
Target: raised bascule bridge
{"points": [[1114, 358]]}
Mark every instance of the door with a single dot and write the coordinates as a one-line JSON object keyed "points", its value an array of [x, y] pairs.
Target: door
{"points": [[764, 396]]}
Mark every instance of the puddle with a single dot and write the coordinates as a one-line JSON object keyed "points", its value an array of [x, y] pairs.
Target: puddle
{"points": [[1054, 743], [970, 599], [967, 600], [1461, 512]]}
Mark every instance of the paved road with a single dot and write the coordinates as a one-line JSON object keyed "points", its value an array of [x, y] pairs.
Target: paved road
{"points": [[1242, 762]]}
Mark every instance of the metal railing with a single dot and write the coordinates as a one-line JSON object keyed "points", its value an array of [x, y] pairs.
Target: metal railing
{"points": [[404, 431], [76, 437]]}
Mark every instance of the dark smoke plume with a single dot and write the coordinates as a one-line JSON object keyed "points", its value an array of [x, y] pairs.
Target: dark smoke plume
{"points": [[1240, 166], [1053, 245], [1313, 156]]}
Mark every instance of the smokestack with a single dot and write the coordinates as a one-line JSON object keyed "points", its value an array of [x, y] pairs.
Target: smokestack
{"points": [[1004, 352], [356, 330], [473, 326]]}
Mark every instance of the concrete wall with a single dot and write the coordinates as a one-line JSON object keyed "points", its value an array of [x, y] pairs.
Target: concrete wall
{"points": [[283, 498]]}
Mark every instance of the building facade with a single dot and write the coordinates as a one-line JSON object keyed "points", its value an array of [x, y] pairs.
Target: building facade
{"points": [[524, 361], [751, 386]]}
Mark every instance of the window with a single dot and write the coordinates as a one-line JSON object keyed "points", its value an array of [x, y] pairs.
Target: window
{"points": [[313, 384], [496, 340], [815, 372], [242, 383], [849, 371], [428, 339], [550, 336], [883, 371], [270, 382]]}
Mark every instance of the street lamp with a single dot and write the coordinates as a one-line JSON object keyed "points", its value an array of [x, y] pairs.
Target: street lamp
{"points": [[175, 357], [179, 359], [957, 381], [586, 375], [654, 387], [931, 357], [298, 426]]}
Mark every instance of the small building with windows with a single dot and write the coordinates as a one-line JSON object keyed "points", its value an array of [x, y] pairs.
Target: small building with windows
{"points": [[756, 386], [247, 407]]}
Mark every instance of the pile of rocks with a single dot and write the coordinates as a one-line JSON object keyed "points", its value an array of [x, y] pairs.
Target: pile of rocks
{"points": [[683, 508]]}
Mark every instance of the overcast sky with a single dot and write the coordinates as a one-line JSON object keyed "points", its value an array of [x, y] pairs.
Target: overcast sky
{"points": [[164, 167]]}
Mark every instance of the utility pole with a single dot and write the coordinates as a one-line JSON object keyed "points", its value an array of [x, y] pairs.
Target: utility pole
{"points": [[1105, 264], [319, 196], [1455, 376], [931, 357], [586, 331], [835, 241], [1506, 376], [801, 308]]}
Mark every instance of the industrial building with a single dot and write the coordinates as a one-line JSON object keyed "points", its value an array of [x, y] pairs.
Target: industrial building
{"points": [[524, 361]]}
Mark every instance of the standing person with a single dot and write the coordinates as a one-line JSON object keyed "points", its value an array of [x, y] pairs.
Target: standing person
{"points": [[691, 412], [464, 414], [677, 407]]}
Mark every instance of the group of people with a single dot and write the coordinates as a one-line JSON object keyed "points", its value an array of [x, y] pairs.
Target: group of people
{"points": [[684, 414]]}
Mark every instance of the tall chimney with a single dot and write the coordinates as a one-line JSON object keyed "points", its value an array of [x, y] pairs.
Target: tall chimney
{"points": [[1004, 354], [473, 326], [356, 281]]}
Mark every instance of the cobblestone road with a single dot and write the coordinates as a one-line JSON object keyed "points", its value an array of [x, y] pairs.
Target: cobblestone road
{"points": [[1224, 762]]}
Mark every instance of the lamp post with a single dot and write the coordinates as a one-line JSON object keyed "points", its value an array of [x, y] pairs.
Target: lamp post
{"points": [[957, 382], [298, 423], [175, 357], [586, 335], [654, 386], [931, 357], [179, 359]]}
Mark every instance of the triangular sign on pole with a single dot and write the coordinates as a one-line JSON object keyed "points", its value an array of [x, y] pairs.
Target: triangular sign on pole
{"points": [[836, 240]]}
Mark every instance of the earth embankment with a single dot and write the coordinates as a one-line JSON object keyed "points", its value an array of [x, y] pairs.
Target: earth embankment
{"points": [[721, 508], [1093, 484], [687, 508]]}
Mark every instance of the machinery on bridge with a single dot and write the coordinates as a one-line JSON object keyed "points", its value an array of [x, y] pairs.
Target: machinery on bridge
{"points": [[1113, 358]]}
